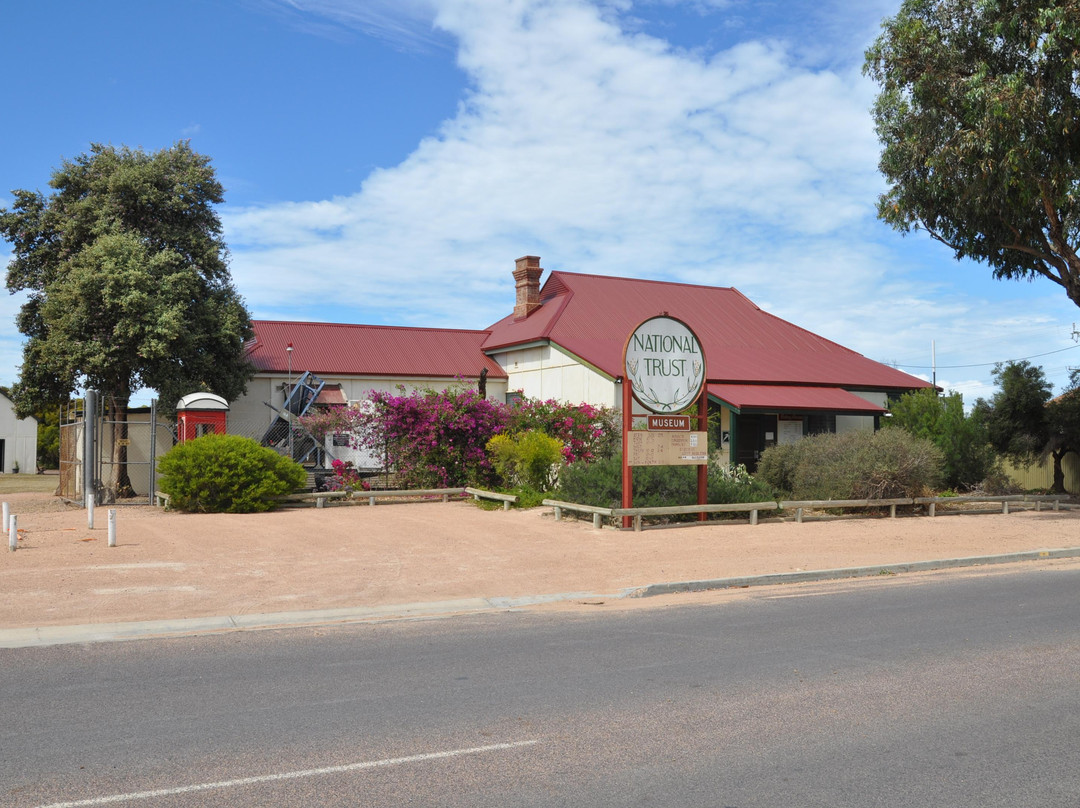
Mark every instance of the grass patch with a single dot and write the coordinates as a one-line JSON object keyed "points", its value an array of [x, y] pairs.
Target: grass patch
{"points": [[28, 483]]}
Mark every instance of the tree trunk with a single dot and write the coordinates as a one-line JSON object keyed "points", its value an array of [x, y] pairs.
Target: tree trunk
{"points": [[119, 486], [1059, 473]]}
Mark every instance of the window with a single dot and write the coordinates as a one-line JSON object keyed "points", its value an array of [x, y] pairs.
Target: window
{"points": [[820, 422]]}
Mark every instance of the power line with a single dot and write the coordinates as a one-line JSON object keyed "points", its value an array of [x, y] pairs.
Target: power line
{"points": [[989, 364]]}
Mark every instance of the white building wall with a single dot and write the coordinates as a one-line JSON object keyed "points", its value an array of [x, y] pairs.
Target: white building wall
{"points": [[853, 423], [544, 372], [20, 439]]}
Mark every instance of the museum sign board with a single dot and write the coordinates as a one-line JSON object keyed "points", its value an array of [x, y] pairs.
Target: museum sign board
{"points": [[665, 365]]}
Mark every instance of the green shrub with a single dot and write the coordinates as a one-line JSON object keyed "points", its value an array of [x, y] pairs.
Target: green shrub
{"points": [[527, 498], [226, 474], [531, 459], [853, 465], [729, 484], [600, 484]]}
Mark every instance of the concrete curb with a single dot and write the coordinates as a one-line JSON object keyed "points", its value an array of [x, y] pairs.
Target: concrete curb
{"points": [[811, 576], [156, 629]]}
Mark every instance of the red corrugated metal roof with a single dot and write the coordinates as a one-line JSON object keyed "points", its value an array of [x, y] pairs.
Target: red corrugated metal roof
{"points": [[592, 315], [335, 349], [784, 397]]}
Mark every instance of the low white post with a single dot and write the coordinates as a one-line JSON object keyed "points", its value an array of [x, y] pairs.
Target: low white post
{"points": [[13, 533], [90, 511], [112, 527]]}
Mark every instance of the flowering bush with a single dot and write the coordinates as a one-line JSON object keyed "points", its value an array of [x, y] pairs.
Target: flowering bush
{"points": [[346, 478], [438, 438], [338, 420], [433, 439], [587, 433]]}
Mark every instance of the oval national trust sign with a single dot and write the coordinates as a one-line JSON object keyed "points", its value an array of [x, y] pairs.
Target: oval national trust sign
{"points": [[665, 365]]}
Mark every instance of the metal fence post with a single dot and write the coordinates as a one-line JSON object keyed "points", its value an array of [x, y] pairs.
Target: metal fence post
{"points": [[89, 447], [153, 451]]}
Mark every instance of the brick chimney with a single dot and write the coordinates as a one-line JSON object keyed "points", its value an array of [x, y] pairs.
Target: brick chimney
{"points": [[527, 272]]}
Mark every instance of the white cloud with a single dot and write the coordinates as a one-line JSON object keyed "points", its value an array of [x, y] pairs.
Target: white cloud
{"points": [[606, 150], [610, 152], [404, 23]]}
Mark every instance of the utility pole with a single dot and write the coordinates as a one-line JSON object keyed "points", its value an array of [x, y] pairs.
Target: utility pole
{"points": [[288, 393]]}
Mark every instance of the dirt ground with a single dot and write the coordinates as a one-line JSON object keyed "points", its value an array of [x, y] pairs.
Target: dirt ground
{"points": [[171, 565]]}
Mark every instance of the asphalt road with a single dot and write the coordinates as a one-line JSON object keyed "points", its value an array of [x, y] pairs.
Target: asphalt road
{"points": [[945, 690]]}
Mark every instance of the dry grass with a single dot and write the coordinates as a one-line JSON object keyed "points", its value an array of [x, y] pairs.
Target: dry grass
{"points": [[28, 483]]}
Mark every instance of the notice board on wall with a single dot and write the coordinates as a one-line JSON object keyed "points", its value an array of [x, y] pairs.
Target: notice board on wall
{"points": [[668, 448], [790, 429]]}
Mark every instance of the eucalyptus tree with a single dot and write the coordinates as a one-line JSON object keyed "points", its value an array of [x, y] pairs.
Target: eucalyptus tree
{"points": [[979, 118], [126, 273]]}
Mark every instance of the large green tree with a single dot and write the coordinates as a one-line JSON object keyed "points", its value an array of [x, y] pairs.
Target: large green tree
{"points": [[1063, 417], [1016, 416], [979, 118], [128, 285], [963, 439]]}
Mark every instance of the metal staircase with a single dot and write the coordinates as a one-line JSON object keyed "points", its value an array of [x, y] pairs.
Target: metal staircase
{"points": [[298, 401]]}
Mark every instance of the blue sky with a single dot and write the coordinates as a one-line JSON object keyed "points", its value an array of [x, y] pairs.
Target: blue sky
{"points": [[385, 161]]}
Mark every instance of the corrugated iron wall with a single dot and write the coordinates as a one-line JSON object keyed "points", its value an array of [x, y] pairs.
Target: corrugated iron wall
{"points": [[1042, 475]]}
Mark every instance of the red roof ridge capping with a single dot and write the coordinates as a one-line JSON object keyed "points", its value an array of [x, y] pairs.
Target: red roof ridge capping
{"points": [[559, 285], [323, 324], [646, 280]]}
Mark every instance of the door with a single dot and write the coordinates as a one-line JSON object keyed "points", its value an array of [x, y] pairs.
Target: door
{"points": [[753, 435]]}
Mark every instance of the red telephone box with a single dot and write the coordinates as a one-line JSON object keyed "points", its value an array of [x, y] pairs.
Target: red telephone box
{"points": [[200, 414]]}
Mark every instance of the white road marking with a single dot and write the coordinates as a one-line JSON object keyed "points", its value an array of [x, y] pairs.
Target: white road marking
{"points": [[270, 778], [143, 590], [143, 565]]}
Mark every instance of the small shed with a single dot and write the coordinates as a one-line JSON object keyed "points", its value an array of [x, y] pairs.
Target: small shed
{"points": [[200, 414], [18, 440]]}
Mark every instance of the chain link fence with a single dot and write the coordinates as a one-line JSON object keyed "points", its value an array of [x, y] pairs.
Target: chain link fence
{"points": [[99, 456]]}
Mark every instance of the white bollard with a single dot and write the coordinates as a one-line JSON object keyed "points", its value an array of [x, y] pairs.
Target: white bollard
{"points": [[13, 533], [90, 511], [112, 527]]}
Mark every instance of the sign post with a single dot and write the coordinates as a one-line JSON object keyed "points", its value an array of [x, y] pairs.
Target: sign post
{"points": [[664, 371]]}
